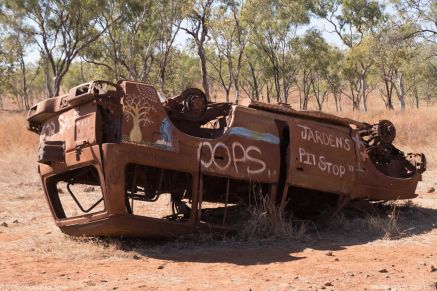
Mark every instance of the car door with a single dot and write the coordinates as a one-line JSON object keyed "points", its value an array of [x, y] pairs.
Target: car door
{"points": [[323, 156]]}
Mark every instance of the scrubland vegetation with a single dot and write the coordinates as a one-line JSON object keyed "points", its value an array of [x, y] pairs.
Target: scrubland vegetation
{"points": [[368, 60], [265, 50]]}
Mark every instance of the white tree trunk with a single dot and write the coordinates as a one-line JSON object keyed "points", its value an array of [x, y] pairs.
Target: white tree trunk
{"points": [[401, 92], [363, 92]]}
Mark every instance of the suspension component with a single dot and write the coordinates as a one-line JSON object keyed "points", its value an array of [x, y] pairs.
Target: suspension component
{"points": [[382, 132]]}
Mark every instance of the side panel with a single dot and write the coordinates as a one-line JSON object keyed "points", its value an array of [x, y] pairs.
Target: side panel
{"points": [[323, 157], [249, 150], [373, 184], [145, 121], [75, 126]]}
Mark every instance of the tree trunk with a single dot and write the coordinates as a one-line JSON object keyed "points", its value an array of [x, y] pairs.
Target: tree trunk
{"points": [[320, 99], [277, 86], [47, 79], [163, 64], [25, 95], [237, 91], [236, 78], [355, 100], [337, 97], [300, 96], [57, 86], [401, 92], [285, 89], [162, 79], [306, 93], [116, 70], [416, 97], [1, 102], [389, 90], [205, 84], [363, 91], [146, 67], [255, 82], [82, 78], [268, 93]]}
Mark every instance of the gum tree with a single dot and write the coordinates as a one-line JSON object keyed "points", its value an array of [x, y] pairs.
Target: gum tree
{"points": [[272, 28], [197, 26], [60, 28], [353, 21]]}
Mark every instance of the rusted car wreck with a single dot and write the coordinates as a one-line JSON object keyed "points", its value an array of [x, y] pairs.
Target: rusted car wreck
{"points": [[208, 160]]}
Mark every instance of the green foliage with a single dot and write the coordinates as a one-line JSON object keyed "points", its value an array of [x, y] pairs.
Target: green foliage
{"points": [[61, 29], [262, 49], [184, 72], [272, 28], [351, 20]]}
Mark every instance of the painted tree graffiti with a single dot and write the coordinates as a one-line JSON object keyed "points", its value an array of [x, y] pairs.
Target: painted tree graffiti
{"points": [[137, 108]]}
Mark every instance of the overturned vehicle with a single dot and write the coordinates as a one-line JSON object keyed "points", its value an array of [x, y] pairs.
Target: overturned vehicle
{"points": [[121, 160]]}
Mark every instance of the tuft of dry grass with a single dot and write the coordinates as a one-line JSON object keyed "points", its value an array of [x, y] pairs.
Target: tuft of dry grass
{"points": [[267, 220], [386, 224]]}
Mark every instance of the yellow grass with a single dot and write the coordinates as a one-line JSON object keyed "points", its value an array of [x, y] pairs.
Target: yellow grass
{"points": [[14, 134], [18, 150]]}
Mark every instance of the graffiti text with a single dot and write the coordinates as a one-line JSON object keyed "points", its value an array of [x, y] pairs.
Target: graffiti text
{"points": [[236, 155], [322, 163], [323, 138]]}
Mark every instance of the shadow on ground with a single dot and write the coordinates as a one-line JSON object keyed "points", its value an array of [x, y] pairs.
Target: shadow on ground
{"points": [[347, 229]]}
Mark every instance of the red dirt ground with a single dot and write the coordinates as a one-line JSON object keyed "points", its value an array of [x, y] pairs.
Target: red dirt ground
{"points": [[36, 255]]}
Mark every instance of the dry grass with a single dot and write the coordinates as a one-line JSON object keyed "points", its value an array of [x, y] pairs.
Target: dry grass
{"points": [[385, 224], [18, 149], [384, 220], [266, 220], [13, 133]]}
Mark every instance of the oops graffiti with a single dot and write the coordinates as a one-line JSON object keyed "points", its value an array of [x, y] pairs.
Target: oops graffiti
{"points": [[223, 157]]}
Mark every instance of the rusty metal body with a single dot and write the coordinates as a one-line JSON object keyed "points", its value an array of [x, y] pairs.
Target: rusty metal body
{"points": [[136, 147]]}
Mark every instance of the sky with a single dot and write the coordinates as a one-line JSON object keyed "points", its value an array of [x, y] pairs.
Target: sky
{"points": [[321, 24], [182, 38]]}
